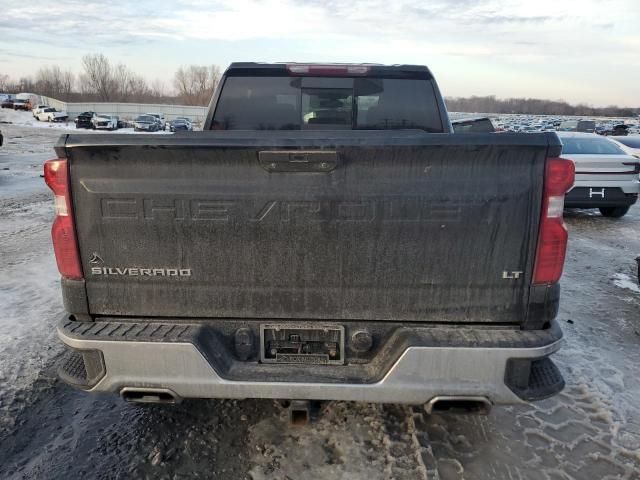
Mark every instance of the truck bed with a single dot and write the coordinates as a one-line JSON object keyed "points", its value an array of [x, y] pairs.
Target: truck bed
{"points": [[331, 225]]}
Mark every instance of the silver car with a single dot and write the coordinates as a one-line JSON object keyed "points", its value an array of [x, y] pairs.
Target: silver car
{"points": [[146, 123], [630, 144], [607, 177]]}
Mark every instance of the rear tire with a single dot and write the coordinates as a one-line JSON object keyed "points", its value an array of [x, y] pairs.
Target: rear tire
{"points": [[614, 212]]}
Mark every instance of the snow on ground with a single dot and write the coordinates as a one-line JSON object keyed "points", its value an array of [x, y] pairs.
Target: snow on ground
{"points": [[48, 430], [624, 281], [28, 274]]}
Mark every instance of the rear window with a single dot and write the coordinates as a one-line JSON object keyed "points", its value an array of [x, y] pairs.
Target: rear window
{"points": [[632, 142], [308, 103], [590, 146], [482, 125]]}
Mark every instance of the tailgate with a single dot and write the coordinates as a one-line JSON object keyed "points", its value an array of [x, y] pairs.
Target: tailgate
{"points": [[354, 225]]}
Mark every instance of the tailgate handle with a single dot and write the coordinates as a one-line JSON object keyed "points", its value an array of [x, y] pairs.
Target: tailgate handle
{"points": [[319, 161]]}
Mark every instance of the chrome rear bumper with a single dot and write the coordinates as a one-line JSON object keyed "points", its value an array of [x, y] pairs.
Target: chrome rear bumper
{"points": [[419, 374]]}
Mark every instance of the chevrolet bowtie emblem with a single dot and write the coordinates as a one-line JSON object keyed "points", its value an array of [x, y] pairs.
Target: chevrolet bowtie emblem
{"points": [[95, 259]]}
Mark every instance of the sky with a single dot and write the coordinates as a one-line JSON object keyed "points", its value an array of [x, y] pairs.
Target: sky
{"points": [[584, 51]]}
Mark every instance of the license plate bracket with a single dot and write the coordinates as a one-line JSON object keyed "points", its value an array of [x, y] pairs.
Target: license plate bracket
{"points": [[302, 344]]}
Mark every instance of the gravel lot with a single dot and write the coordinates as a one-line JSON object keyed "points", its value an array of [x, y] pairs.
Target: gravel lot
{"points": [[48, 430]]}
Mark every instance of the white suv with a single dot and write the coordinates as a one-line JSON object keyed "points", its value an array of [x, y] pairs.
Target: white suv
{"points": [[607, 177]]}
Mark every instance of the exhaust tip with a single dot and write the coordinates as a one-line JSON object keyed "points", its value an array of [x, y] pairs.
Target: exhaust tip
{"points": [[459, 405], [149, 395]]}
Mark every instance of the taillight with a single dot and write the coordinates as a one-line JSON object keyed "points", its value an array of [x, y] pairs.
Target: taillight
{"points": [[635, 165], [63, 233], [333, 70], [552, 238]]}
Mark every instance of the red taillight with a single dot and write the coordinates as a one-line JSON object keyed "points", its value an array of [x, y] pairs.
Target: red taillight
{"points": [[63, 233], [329, 70], [552, 238]]}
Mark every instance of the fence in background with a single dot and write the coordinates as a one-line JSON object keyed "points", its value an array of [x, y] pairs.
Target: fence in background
{"points": [[128, 111]]}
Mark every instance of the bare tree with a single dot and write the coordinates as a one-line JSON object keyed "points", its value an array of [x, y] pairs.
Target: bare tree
{"points": [[158, 89], [54, 82], [139, 90], [67, 81], [122, 81], [26, 84], [112, 83], [195, 83], [98, 76], [5, 82]]}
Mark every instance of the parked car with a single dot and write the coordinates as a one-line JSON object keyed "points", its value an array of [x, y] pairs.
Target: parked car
{"points": [[606, 176], [37, 109], [587, 126], [147, 123], [104, 122], [124, 123], [162, 125], [630, 144], [21, 104], [619, 130], [7, 103], [186, 119], [299, 252], [84, 120], [31, 98], [179, 124], [50, 114]]}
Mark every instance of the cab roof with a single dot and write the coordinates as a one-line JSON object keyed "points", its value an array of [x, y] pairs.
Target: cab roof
{"points": [[328, 69]]}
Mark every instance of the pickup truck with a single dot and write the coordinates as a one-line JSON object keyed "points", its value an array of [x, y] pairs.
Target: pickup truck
{"points": [[326, 237], [21, 104], [50, 114]]}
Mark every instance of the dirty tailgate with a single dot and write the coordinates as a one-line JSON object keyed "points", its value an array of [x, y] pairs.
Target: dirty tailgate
{"points": [[356, 225]]}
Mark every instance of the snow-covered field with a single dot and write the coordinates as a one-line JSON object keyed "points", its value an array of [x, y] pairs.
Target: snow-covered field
{"points": [[48, 430]]}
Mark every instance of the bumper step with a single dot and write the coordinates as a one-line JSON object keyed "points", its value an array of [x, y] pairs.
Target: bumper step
{"points": [[544, 381], [82, 368]]}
